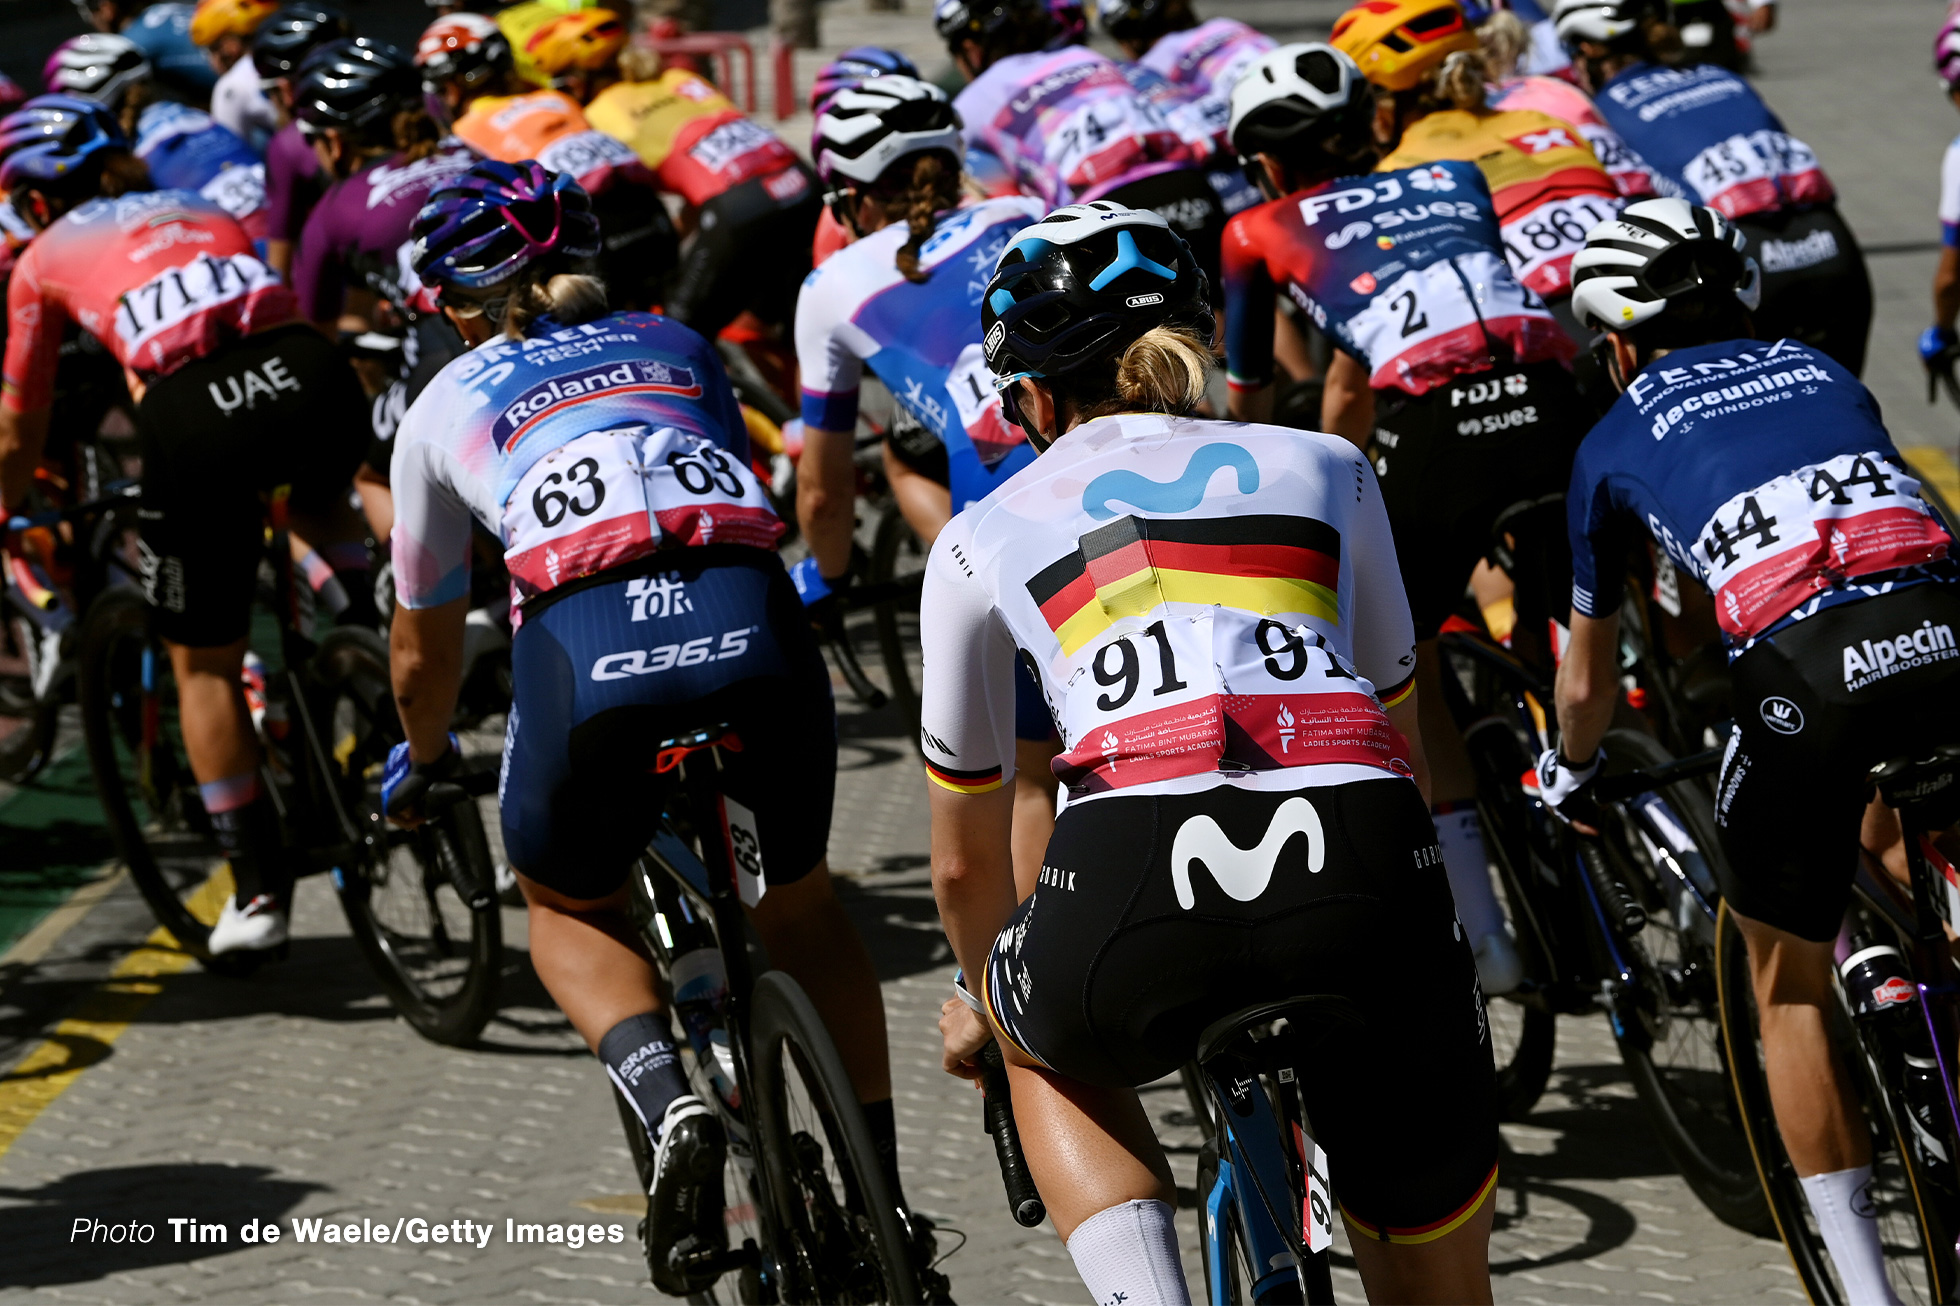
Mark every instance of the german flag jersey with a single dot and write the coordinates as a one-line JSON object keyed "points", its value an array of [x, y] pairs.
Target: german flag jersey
{"points": [[1201, 602]]}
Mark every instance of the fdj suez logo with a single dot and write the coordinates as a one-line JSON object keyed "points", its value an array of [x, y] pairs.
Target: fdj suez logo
{"points": [[642, 376], [1870, 660]]}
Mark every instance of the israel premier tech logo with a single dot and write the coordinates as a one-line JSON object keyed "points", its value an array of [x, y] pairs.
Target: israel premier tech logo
{"points": [[640, 376]]}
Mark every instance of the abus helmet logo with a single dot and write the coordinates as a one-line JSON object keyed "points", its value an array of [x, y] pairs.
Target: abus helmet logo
{"points": [[1782, 716], [994, 338], [1144, 301]]}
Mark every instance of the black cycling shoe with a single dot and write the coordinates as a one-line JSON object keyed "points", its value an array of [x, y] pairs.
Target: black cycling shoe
{"points": [[684, 1232]]}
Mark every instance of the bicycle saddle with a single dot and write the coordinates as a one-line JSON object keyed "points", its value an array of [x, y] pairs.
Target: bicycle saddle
{"points": [[1307, 1015], [676, 750], [1924, 790]]}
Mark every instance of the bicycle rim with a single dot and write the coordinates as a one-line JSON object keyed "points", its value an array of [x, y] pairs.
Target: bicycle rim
{"points": [[837, 1235]]}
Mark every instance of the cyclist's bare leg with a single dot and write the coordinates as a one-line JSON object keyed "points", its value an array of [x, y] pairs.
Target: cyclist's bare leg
{"points": [[1882, 836], [1034, 810], [808, 934], [377, 502], [1451, 778], [826, 495], [926, 504], [217, 728], [1453, 1268], [589, 959], [1088, 1148], [1815, 1111]]}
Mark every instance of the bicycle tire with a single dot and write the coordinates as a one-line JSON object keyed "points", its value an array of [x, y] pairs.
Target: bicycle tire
{"points": [[1784, 1193], [825, 1250], [25, 752], [1676, 1056], [446, 993], [148, 794], [888, 543]]}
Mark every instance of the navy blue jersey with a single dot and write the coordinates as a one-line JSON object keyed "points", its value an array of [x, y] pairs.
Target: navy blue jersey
{"points": [[1764, 472]]}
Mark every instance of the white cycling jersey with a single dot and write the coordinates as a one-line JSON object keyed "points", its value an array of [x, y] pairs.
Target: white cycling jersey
{"points": [[1202, 602], [1950, 195]]}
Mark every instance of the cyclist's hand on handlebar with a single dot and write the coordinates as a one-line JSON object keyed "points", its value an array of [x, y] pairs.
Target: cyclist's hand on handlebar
{"points": [[965, 1034], [1935, 341], [1566, 789], [404, 782], [819, 595]]}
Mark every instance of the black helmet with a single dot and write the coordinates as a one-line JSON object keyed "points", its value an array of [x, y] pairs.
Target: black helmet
{"points": [[284, 40], [1132, 20], [1303, 100], [1083, 283], [356, 86], [960, 20]]}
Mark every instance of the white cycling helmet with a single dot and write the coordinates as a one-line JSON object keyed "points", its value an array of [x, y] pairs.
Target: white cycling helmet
{"points": [[1657, 251], [98, 66], [1599, 21], [1293, 89], [867, 128]]}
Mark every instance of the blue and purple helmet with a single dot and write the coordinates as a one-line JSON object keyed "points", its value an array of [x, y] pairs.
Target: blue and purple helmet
{"points": [[497, 219], [854, 67], [51, 137]]}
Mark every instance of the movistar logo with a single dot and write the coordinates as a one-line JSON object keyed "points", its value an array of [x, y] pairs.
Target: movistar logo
{"points": [[1180, 495], [1243, 873]]}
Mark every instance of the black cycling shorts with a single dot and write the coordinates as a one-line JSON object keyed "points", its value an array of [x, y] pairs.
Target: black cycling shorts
{"points": [[1816, 707], [1186, 199], [1126, 951], [430, 345], [278, 408], [751, 251], [1815, 285], [913, 444], [1451, 461], [691, 638]]}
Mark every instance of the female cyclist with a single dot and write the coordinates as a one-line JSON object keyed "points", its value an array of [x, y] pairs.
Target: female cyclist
{"points": [[293, 179], [1468, 407], [1245, 819], [1711, 140], [854, 67], [1506, 40], [224, 29], [904, 301], [558, 395]]}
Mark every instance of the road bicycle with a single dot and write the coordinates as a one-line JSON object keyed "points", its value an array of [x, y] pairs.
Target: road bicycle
{"points": [[420, 903], [1897, 1039], [808, 1213]]}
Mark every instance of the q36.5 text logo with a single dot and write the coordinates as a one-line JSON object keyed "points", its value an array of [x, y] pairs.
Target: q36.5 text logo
{"points": [[646, 662]]}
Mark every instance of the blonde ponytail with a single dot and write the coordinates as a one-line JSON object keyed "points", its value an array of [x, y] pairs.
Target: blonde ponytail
{"points": [[1504, 37], [1460, 81], [1163, 371], [569, 298]]}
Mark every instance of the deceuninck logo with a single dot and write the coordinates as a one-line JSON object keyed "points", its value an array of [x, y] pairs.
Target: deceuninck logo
{"points": [[641, 376], [1871, 660]]}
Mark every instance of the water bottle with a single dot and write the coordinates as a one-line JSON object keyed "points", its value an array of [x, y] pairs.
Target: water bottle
{"points": [[1882, 993], [1928, 1120], [700, 979]]}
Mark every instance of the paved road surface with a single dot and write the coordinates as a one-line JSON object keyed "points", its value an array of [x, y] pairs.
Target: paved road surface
{"points": [[178, 1095]]}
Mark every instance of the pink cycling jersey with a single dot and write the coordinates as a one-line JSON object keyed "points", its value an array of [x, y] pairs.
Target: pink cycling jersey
{"points": [[161, 278], [1560, 99]]}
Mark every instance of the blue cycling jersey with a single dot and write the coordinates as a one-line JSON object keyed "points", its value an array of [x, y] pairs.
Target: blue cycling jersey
{"points": [[163, 34], [186, 149], [1764, 472]]}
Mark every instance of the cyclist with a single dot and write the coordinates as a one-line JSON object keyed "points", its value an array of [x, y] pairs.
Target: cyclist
{"points": [[238, 104], [1939, 339], [1467, 407], [235, 399], [1505, 40], [541, 433], [855, 66], [904, 301], [182, 147], [1241, 822], [1763, 471], [1065, 125], [1710, 139], [163, 33], [294, 180], [749, 205]]}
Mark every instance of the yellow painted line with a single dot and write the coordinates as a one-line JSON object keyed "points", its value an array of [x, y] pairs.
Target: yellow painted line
{"points": [[99, 1019], [1936, 467]]}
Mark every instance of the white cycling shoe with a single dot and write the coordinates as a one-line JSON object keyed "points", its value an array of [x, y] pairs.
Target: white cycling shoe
{"points": [[1499, 967], [258, 925]]}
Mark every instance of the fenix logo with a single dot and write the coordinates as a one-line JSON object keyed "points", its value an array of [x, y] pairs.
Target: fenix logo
{"points": [[1868, 661]]}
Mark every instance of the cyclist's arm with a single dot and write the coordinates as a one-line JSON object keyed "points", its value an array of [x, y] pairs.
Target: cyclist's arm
{"points": [[1384, 632], [26, 396], [1347, 404], [1588, 685], [1249, 302], [826, 473], [425, 661], [23, 439], [1946, 288]]}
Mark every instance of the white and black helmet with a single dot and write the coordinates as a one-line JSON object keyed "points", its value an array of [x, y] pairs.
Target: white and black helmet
{"points": [[98, 66], [1603, 22], [864, 129], [1659, 252], [1295, 93]]}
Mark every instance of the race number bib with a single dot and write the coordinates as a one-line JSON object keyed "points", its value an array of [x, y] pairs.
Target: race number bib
{"points": [[611, 496], [977, 403], [1416, 327], [1749, 172], [239, 191], [178, 294], [1103, 139], [725, 146], [584, 154], [1539, 242]]}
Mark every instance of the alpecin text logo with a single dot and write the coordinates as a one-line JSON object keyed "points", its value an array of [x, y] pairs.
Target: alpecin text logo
{"points": [[641, 376]]}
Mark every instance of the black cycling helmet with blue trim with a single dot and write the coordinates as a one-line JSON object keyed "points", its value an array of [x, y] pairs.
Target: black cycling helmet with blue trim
{"points": [[1081, 286], [355, 87], [480, 231], [54, 143]]}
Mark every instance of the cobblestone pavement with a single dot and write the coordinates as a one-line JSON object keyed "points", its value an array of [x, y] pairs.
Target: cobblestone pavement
{"points": [[298, 1094]]}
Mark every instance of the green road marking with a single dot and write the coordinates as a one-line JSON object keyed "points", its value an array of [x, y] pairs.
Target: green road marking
{"points": [[53, 840]]}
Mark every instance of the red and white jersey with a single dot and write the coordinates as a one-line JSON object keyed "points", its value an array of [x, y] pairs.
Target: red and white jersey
{"points": [[1067, 125], [160, 278], [1203, 603]]}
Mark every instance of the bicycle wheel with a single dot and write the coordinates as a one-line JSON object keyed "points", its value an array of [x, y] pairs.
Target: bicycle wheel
{"points": [[1913, 1274], [408, 893], [143, 777], [896, 552], [837, 1233], [1672, 1044]]}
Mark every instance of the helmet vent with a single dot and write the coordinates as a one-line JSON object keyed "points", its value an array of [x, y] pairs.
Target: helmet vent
{"points": [[1318, 69]]}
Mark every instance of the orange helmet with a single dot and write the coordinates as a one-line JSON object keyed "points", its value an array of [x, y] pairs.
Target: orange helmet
{"points": [[578, 42], [1397, 42], [213, 20]]}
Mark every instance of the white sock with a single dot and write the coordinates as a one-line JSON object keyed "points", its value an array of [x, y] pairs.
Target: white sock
{"points": [[1842, 1203], [1127, 1256], [1461, 835]]}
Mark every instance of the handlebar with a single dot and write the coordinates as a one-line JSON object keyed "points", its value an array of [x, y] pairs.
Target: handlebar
{"points": [[1023, 1199], [1631, 784], [815, 591]]}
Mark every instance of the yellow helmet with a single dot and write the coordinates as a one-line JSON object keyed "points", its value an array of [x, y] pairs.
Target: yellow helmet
{"points": [[578, 42], [214, 20], [1398, 42]]}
